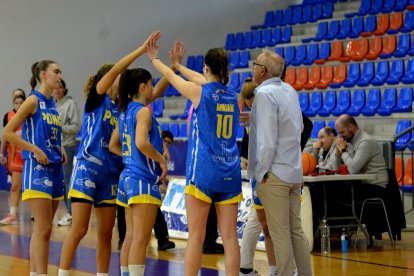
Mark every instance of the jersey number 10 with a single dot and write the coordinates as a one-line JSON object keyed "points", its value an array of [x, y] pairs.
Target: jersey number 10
{"points": [[224, 126]]}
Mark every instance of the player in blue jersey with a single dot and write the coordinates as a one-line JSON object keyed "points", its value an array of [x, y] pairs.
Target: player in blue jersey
{"points": [[43, 155], [213, 162]]}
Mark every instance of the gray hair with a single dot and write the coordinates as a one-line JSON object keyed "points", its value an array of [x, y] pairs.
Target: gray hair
{"points": [[274, 63]]}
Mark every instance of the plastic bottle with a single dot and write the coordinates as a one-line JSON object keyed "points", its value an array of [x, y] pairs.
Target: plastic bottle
{"points": [[325, 238], [344, 241], [321, 164]]}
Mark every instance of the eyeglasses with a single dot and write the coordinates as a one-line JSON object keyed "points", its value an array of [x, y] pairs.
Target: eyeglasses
{"points": [[257, 64]]}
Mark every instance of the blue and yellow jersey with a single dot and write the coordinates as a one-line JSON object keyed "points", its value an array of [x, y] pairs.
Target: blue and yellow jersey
{"points": [[213, 158], [44, 129], [138, 165], [97, 127]]}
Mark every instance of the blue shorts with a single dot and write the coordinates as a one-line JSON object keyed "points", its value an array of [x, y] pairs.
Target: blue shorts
{"points": [[93, 182], [136, 191], [256, 201], [42, 181], [209, 196]]}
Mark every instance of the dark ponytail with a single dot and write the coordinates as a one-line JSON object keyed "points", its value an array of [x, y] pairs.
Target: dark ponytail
{"points": [[218, 62], [129, 86], [38, 67]]}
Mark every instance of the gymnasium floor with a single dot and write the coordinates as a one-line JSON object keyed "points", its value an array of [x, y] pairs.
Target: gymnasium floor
{"points": [[14, 253]]}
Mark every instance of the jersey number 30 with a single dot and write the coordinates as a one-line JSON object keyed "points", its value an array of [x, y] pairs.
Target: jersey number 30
{"points": [[224, 126]]}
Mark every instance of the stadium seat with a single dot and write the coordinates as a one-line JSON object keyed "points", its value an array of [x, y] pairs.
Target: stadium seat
{"points": [[257, 39], [191, 62], [357, 27], [333, 30], [403, 45], [396, 72], [339, 76], [234, 60], [317, 126], [239, 41], [290, 76], [367, 74], [364, 7], [410, 5], [358, 103], [269, 20], [311, 54], [408, 176], [313, 78], [287, 17], [184, 115], [361, 50], [383, 23], [315, 104], [199, 63], [381, 74], [248, 40], [332, 124], [286, 35], [388, 6], [345, 29], [169, 91], [289, 54], [370, 26], [324, 53], [244, 75], [267, 38], [244, 59], [343, 103], [301, 78], [164, 126], [300, 55], [409, 73], [395, 23], [316, 12], [411, 50], [234, 82], [376, 6], [304, 101], [280, 51], [400, 5], [373, 102], [349, 51], [375, 48], [401, 126], [326, 77], [230, 42], [408, 25], [297, 15], [159, 108], [327, 10], [398, 165], [306, 14], [336, 50], [182, 132], [174, 128], [329, 103], [389, 101], [388, 47], [278, 17], [276, 36], [353, 75], [405, 100], [322, 31]]}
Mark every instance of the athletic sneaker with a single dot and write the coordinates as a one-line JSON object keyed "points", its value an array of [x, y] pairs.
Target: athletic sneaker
{"points": [[165, 244], [9, 219], [253, 273], [65, 221]]}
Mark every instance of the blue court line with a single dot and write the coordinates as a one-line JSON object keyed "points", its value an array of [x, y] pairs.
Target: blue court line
{"points": [[18, 246]]}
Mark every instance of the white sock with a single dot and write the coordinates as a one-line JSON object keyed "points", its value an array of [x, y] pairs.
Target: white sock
{"points": [[101, 274], [136, 270], [63, 272], [33, 274], [272, 270], [13, 211], [124, 271]]}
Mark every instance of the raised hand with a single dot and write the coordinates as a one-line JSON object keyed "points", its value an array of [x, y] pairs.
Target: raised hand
{"points": [[155, 35], [152, 46], [177, 53]]}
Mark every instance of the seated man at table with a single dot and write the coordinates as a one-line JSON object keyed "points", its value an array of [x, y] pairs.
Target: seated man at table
{"points": [[325, 147]]}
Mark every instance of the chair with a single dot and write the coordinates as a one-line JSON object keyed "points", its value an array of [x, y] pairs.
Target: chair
{"points": [[322, 31], [300, 55], [159, 108], [395, 23], [373, 102], [401, 126], [336, 50], [257, 39], [239, 41], [398, 166], [329, 103], [317, 126], [286, 35], [276, 36], [248, 40], [343, 103], [370, 26], [278, 17], [408, 176], [388, 47], [364, 8], [383, 23], [326, 77], [350, 50], [280, 51], [267, 39], [376, 7], [244, 75], [199, 63], [333, 30], [297, 15], [164, 126], [315, 104], [244, 59], [287, 17], [230, 42], [388, 6], [411, 50], [353, 75], [375, 48], [357, 27], [405, 100], [327, 10], [345, 29], [169, 91], [182, 132], [400, 5], [184, 115], [301, 78], [174, 128], [304, 101], [289, 54], [358, 103], [367, 74], [311, 55], [234, 82], [324, 53], [397, 72], [331, 124], [269, 20], [409, 73], [389, 100], [234, 60], [381, 74], [408, 25], [313, 78], [339, 76], [290, 76], [403, 45], [361, 50], [191, 62], [316, 13]]}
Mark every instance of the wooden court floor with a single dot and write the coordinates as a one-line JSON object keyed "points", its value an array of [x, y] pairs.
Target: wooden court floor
{"points": [[381, 259]]}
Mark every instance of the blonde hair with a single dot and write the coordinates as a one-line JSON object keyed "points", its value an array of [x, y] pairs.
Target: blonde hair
{"points": [[247, 90], [94, 79]]}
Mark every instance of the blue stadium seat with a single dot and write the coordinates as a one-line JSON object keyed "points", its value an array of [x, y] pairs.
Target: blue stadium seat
{"points": [[169, 91], [234, 59], [327, 10], [191, 62], [244, 59], [403, 45], [287, 17], [381, 74], [353, 75], [324, 53], [280, 51], [304, 101], [184, 115], [343, 103], [267, 38], [401, 126], [199, 63], [388, 6], [269, 20], [182, 132], [286, 35], [408, 25], [411, 50], [306, 14], [297, 15], [164, 126], [240, 132], [367, 74], [257, 39], [322, 31], [329, 103], [278, 17], [317, 126], [358, 103], [315, 104], [239, 41], [373, 102], [345, 29], [248, 40], [332, 124], [276, 36], [409, 73], [397, 72], [316, 13], [289, 54], [364, 8], [376, 7], [158, 108], [370, 25], [244, 76], [312, 54], [333, 30], [389, 101], [230, 42], [405, 100], [174, 128], [357, 27], [300, 55], [400, 5], [234, 82]]}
